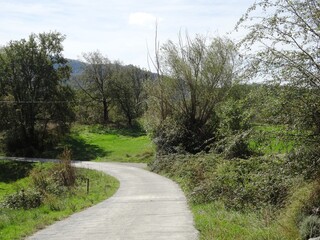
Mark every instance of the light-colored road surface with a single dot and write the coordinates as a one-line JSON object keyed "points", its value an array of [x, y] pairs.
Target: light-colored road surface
{"points": [[146, 206]]}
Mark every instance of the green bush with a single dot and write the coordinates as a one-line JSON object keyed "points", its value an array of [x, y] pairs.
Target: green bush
{"points": [[185, 136], [305, 161], [240, 183], [25, 199], [43, 180], [310, 227], [56, 178], [234, 146], [235, 117]]}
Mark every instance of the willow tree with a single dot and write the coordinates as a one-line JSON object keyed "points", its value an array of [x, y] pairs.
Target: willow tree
{"points": [[283, 46], [193, 77]]}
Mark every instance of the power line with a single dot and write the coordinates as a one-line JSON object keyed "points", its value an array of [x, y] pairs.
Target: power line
{"points": [[41, 102]]}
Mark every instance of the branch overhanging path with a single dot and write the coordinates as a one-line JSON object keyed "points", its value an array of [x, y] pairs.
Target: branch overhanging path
{"points": [[146, 206]]}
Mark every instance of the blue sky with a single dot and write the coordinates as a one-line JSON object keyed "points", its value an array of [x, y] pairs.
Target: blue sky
{"points": [[120, 29]]}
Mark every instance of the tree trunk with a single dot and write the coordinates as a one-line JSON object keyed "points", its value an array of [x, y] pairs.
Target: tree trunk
{"points": [[105, 111]]}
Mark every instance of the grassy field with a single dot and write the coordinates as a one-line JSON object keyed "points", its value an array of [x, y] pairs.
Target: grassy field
{"points": [[98, 143], [18, 223]]}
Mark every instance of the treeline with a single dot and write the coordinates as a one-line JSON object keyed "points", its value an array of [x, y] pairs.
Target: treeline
{"points": [[109, 92], [40, 98], [195, 98], [198, 101]]}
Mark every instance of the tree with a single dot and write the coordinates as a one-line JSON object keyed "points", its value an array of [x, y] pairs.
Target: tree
{"points": [[193, 78], [95, 80], [34, 99], [283, 46], [127, 91]]}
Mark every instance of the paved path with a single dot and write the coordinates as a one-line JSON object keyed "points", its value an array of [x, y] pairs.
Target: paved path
{"points": [[146, 206]]}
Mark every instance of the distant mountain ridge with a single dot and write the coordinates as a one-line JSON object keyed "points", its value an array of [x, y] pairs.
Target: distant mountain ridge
{"points": [[77, 66]]}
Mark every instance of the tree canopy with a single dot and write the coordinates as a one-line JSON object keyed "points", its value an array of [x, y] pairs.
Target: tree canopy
{"points": [[34, 97], [283, 46], [195, 75]]}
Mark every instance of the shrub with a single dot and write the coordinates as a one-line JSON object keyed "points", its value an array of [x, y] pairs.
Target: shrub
{"points": [[64, 173], [305, 161], [310, 227], [235, 146], [44, 182], [252, 183], [184, 136], [55, 179], [235, 117], [241, 184], [25, 199]]}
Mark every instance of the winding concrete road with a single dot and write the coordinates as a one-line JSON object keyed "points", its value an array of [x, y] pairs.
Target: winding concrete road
{"points": [[146, 207]]}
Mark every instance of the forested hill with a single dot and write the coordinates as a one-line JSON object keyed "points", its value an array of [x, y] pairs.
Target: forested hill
{"points": [[77, 66]]}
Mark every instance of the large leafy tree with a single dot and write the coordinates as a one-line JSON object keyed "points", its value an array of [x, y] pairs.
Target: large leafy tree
{"points": [[283, 45], [193, 77], [127, 91], [95, 80], [35, 101]]}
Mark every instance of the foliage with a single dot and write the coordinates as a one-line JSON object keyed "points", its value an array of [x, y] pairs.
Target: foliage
{"points": [[235, 146], [65, 173], [95, 81], [310, 227], [36, 103], [193, 77], [127, 92], [282, 45], [240, 184], [305, 161], [110, 88], [25, 199], [235, 117]]}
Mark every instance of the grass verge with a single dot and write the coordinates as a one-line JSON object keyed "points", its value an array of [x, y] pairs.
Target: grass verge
{"points": [[19, 223]]}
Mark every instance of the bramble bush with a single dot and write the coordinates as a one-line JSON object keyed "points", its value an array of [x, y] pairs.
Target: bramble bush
{"points": [[240, 183]]}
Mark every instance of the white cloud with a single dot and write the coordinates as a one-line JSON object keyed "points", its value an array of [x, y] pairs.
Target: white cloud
{"points": [[142, 19]]}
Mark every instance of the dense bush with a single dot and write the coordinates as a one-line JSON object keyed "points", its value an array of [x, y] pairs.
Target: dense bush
{"points": [[181, 136], [241, 184], [26, 199], [43, 179], [235, 116], [234, 146], [252, 183], [305, 161]]}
